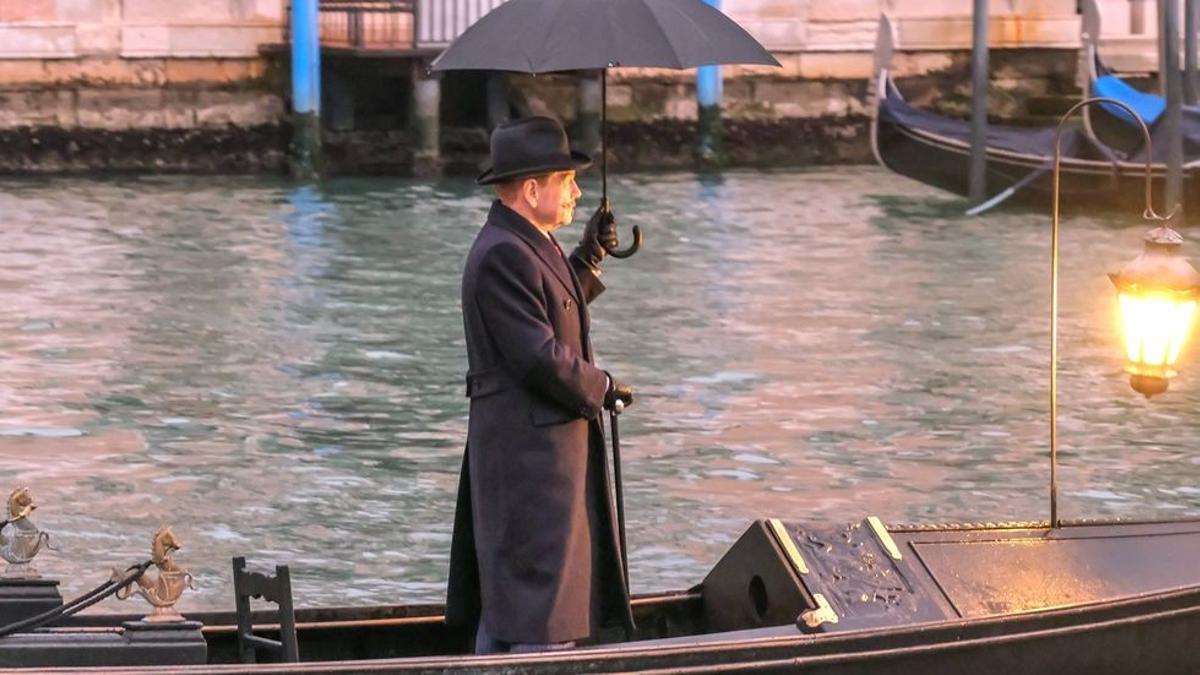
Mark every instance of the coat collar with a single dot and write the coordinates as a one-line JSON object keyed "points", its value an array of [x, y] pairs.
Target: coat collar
{"points": [[505, 218]]}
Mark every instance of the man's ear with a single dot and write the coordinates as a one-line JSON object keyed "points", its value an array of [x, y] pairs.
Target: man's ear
{"points": [[529, 192]]}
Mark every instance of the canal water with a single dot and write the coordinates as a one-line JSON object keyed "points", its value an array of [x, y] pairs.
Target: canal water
{"points": [[277, 371]]}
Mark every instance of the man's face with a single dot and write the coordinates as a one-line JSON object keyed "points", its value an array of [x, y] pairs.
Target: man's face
{"points": [[556, 200]]}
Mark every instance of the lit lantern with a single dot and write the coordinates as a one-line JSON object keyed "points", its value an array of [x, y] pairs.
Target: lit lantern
{"points": [[1157, 293]]}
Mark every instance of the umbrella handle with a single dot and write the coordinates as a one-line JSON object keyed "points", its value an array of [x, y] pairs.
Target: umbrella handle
{"points": [[633, 248]]}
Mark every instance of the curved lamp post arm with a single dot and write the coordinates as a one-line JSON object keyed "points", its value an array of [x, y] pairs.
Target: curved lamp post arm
{"points": [[1149, 213]]}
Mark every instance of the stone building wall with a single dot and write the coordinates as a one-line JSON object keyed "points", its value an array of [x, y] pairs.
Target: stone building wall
{"points": [[145, 84], [139, 84]]}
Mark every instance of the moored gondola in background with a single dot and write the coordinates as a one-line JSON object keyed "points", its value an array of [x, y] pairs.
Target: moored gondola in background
{"points": [[935, 150]]}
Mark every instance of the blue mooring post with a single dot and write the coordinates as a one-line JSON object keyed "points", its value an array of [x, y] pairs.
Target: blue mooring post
{"points": [[709, 88], [306, 88]]}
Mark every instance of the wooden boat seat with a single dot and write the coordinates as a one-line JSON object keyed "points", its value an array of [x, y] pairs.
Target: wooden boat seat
{"points": [[276, 589]]}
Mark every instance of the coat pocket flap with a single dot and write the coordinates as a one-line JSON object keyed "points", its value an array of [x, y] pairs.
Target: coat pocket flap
{"points": [[486, 383]]}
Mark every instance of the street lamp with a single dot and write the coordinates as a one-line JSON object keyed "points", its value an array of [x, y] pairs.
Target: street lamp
{"points": [[1157, 293]]}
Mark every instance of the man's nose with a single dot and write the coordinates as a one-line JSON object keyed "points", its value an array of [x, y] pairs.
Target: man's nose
{"points": [[575, 191]]}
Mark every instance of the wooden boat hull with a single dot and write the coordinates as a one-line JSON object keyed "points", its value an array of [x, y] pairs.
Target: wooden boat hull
{"points": [[1145, 635], [1095, 598]]}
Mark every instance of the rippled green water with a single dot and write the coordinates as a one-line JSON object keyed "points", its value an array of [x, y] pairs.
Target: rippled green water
{"points": [[277, 371]]}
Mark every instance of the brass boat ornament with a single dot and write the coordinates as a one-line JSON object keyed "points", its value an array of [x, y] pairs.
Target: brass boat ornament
{"points": [[163, 589], [20, 538], [823, 614]]}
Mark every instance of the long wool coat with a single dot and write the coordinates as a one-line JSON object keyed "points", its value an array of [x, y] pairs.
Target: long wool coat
{"points": [[535, 554]]}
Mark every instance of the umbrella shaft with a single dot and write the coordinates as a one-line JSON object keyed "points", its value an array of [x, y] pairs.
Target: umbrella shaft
{"points": [[604, 139]]}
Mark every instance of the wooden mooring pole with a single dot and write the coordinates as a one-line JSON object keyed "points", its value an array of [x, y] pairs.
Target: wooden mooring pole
{"points": [[1169, 68], [426, 120], [1191, 79], [979, 83]]}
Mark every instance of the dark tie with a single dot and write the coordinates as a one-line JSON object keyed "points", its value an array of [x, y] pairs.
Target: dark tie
{"points": [[556, 246]]}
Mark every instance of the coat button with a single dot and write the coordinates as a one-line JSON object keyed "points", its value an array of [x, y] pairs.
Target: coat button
{"points": [[567, 303]]}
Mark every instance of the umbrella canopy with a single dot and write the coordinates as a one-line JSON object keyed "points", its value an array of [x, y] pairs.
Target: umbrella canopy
{"points": [[544, 36], [541, 36]]}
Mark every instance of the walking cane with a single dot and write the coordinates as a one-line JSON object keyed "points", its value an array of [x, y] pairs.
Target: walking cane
{"points": [[619, 406]]}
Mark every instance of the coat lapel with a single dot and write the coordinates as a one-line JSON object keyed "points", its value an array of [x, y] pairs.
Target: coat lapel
{"points": [[512, 221], [585, 318]]}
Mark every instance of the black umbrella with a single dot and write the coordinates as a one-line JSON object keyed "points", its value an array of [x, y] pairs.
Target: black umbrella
{"points": [[542, 36]]}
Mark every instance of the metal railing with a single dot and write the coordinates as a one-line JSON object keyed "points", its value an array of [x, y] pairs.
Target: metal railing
{"points": [[395, 24], [367, 24]]}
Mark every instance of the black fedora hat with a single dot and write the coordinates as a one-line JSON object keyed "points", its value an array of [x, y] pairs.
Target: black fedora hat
{"points": [[530, 147]]}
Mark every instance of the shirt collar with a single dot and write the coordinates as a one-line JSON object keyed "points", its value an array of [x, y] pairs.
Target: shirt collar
{"points": [[500, 209]]}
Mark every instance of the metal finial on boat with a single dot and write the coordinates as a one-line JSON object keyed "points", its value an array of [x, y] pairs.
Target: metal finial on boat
{"points": [[24, 539], [163, 590]]}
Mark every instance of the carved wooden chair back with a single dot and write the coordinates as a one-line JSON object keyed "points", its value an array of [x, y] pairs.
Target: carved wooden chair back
{"points": [[276, 589]]}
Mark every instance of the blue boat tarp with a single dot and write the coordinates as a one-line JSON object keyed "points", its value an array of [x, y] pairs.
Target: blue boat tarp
{"points": [[1148, 106]]}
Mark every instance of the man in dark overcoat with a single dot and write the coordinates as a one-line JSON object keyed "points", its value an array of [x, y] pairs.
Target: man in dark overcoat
{"points": [[535, 561]]}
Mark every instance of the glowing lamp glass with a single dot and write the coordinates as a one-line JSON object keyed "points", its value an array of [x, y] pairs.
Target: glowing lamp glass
{"points": [[1155, 327]]}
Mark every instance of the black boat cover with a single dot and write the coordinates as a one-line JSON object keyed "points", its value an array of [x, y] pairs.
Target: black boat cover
{"points": [[1035, 141], [1039, 141], [1158, 138]]}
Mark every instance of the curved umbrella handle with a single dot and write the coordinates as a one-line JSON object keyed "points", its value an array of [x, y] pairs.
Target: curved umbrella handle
{"points": [[633, 248]]}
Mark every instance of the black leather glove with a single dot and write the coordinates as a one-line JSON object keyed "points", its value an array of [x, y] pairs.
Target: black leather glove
{"points": [[599, 237], [617, 392]]}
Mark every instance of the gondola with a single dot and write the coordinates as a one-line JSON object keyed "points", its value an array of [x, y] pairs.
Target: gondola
{"points": [[1116, 128], [1032, 597], [936, 150], [1095, 597]]}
